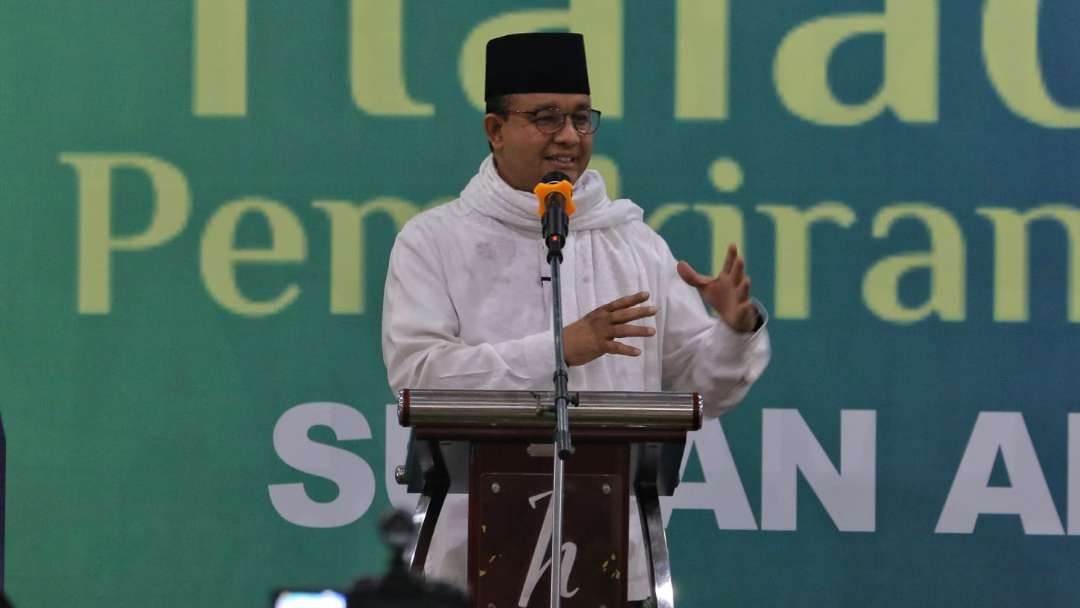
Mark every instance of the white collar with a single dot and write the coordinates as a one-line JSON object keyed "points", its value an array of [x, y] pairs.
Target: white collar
{"points": [[488, 194]]}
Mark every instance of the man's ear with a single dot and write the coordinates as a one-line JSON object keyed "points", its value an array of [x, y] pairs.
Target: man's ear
{"points": [[493, 124]]}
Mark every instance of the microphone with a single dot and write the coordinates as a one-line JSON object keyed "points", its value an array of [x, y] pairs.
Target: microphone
{"points": [[554, 194]]}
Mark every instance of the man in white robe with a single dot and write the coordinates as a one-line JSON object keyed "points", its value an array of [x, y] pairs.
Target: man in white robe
{"points": [[465, 305]]}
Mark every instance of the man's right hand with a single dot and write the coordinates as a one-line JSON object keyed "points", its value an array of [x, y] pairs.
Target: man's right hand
{"points": [[594, 334]]}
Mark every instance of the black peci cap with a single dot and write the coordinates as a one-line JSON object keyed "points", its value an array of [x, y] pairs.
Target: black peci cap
{"points": [[536, 62]]}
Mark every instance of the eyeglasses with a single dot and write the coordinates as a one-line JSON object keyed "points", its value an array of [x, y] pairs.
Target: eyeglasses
{"points": [[551, 120]]}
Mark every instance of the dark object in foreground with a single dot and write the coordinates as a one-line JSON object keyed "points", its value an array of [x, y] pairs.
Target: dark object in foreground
{"points": [[399, 588]]}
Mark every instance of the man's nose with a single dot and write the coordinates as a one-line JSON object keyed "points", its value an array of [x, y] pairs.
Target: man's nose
{"points": [[567, 134]]}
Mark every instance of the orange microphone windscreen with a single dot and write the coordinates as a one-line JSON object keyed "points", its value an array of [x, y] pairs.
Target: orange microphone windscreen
{"points": [[563, 187]]}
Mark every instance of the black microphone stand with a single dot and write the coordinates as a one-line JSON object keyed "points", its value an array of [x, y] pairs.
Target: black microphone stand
{"points": [[556, 225]]}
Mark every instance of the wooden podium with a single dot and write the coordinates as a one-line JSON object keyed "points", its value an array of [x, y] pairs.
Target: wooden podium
{"points": [[497, 447]]}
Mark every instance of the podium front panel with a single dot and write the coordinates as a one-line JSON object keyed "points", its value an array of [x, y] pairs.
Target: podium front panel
{"points": [[510, 524]]}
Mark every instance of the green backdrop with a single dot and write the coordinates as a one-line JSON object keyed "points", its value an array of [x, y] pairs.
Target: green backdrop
{"points": [[198, 199]]}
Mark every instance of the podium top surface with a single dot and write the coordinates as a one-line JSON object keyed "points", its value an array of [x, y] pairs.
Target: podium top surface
{"points": [[608, 410]]}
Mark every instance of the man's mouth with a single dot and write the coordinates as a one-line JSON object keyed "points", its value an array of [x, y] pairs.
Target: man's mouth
{"points": [[561, 159]]}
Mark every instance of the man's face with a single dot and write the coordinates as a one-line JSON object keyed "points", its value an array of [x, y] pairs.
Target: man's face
{"points": [[524, 153]]}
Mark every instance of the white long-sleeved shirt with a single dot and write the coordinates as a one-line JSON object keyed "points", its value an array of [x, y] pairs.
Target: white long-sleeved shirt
{"points": [[464, 307]]}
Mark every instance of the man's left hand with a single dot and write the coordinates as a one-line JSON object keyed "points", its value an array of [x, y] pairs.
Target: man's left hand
{"points": [[728, 293]]}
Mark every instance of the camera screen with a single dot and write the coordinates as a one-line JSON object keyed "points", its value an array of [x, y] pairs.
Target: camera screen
{"points": [[309, 599]]}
